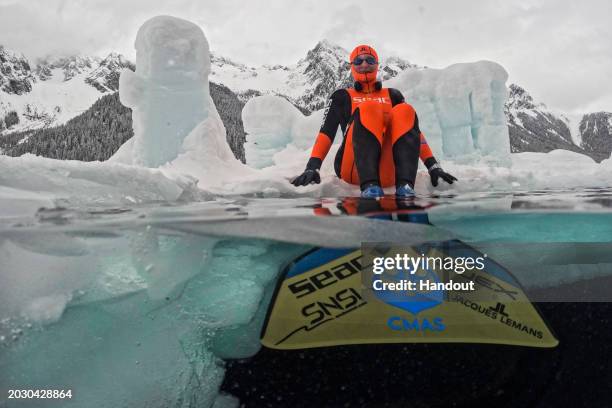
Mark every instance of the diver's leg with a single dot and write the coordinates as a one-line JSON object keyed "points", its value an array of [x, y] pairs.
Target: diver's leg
{"points": [[344, 164], [368, 122], [405, 137]]}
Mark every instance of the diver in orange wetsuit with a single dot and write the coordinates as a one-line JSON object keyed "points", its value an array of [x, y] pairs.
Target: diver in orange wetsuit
{"points": [[381, 142]]}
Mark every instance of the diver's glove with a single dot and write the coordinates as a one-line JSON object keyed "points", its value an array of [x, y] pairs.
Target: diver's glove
{"points": [[436, 172], [310, 175]]}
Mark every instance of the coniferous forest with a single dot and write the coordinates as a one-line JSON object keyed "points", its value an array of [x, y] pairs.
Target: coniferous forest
{"points": [[97, 133]]}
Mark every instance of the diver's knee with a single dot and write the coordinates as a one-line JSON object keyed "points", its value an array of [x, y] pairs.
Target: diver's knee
{"points": [[403, 120], [402, 109]]}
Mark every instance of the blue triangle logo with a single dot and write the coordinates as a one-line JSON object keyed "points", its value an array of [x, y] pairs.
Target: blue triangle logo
{"points": [[413, 301]]}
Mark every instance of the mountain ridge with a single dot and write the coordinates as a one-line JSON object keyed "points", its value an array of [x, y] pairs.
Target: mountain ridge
{"points": [[535, 128], [306, 84]]}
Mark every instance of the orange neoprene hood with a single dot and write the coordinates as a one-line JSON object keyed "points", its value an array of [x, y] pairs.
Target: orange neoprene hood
{"points": [[366, 78]]}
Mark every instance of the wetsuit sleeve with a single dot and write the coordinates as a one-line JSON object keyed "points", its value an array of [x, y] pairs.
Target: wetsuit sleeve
{"points": [[425, 152], [332, 118]]}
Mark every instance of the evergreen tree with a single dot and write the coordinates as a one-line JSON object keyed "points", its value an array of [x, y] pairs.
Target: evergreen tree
{"points": [[11, 118], [97, 133]]}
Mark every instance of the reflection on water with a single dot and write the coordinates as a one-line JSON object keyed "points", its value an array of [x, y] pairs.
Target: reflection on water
{"points": [[587, 200]]}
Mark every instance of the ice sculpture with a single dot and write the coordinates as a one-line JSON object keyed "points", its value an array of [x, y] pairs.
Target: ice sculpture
{"points": [[169, 92]]}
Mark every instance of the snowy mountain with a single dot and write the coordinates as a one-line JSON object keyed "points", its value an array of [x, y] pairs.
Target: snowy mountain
{"points": [[596, 133], [54, 90], [51, 91], [307, 83], [70, 66], [535, 128], [105, 77], [15, 73]]}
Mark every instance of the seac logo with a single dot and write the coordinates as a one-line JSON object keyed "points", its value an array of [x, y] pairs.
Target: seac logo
{"points": [[379, 99]]}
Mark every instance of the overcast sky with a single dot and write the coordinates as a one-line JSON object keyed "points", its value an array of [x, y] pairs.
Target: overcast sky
{"points": [[560, 50]]}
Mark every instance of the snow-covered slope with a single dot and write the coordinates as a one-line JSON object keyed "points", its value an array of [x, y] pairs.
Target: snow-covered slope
{"points": [[70, 66], [52, 102], [55, 89], [105, 77]]}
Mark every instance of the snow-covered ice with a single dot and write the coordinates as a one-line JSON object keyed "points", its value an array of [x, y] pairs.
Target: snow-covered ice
{"points": [[272, 123], [48, 183]]}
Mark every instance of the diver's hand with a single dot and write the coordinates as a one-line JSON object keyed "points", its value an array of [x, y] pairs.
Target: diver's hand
{"points": [[436, 172], [309, 176]]}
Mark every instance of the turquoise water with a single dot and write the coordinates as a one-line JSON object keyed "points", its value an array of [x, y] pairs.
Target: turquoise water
{"points": [[143, 306]]}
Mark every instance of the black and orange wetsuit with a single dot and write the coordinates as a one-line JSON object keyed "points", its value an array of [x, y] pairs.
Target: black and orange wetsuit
{"points": [[381, 141]]}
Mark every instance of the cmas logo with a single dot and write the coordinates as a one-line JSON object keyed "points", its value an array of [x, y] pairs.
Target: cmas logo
{"points": [[413, 301]]}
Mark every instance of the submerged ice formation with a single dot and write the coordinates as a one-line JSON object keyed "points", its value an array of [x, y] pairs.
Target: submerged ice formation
{"points": [[135, 318], [143, 316]]}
